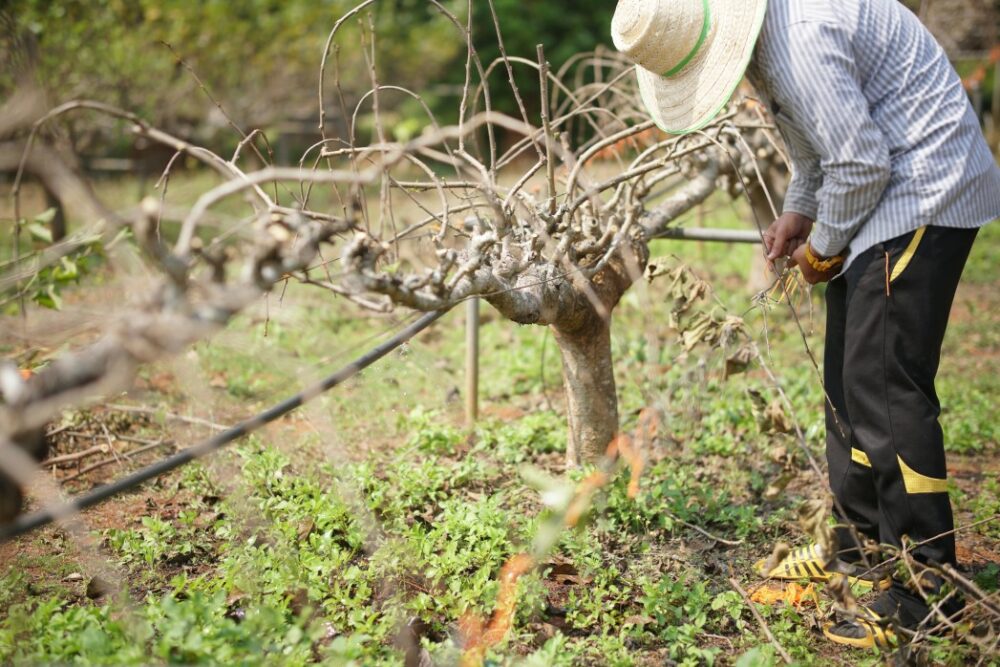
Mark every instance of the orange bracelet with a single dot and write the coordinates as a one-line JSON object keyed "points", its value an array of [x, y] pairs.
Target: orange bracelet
{"points": [[822, 265]]}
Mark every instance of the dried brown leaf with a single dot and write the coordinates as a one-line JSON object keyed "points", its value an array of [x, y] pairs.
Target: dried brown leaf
{"points": [[738, 362], [813, 518], [839, 589], [777, 487], [778, 554]]}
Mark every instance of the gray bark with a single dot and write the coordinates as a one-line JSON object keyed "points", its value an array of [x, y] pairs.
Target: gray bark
{"points": [[591, 398], [580, 319], [583, 334]]}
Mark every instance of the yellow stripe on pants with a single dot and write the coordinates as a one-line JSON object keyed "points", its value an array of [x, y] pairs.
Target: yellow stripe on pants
{"points": [[859, 456], [911, 250], [917, 483]]}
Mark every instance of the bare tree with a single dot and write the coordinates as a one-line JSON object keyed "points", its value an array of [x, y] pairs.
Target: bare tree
{"points": [[543, 229]]}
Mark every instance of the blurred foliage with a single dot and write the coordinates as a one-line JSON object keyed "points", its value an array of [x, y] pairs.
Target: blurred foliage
{"points": [[261, 58], [48, 279], [565, 30]]}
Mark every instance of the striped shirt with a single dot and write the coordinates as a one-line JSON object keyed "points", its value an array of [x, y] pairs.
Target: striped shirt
{"points": [[880, 133]]}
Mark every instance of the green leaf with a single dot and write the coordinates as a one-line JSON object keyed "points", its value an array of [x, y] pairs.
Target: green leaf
{"points": [[48, 298], [46, 217], [755, 657], [39, 232], [67, 270], [989, 578]]}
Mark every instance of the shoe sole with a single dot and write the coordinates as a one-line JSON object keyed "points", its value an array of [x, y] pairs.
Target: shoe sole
{"points": [[875, 636], [813, 571]]}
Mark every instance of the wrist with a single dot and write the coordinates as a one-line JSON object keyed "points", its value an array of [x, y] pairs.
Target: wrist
{"points": [[820, 263]]}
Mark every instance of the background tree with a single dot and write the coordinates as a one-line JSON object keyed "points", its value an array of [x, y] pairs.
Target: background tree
{"points": [[565, 31], [116, 51]]}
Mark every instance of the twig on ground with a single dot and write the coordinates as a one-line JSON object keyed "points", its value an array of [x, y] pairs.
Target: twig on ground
{"points": [[760, 620], [57, 431], [138, 410], [116, 459], [699, 529], [76, 456]]}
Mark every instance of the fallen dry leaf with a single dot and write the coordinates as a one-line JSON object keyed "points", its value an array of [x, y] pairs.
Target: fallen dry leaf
{"points": [[791, 594]]}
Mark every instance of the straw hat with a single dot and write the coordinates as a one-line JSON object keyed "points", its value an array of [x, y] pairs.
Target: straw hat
{"points": [[690, 54]]}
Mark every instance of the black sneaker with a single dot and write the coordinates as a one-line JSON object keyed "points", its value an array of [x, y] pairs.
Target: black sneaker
{"points": [[869, 627]]}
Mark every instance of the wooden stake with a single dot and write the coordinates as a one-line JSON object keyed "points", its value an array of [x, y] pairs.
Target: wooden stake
{"points": [[472, 362]]}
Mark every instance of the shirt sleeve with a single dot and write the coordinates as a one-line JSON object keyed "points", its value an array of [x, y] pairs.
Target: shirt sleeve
{"points": [[821, 90], [807, 179]]}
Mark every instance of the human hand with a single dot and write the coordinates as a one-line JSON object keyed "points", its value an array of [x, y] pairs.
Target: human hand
{"points": [[811, 275], [786, 234]]}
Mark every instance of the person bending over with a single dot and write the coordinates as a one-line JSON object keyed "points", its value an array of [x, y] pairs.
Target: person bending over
{"points": [[891, 180]]}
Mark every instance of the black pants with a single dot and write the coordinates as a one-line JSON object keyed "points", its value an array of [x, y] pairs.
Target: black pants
{"points": [[886, 319]]}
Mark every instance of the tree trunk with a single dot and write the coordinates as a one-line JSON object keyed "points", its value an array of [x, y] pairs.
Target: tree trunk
{"points": [[58, 224], [584, 339], [59, 180], [588, 376]]}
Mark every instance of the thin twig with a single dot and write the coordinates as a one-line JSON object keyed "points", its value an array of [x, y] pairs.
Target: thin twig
{"points": [[134, 409], [760, 620], [550, 167], [714, 538], [76, 456], [115, 459]]}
